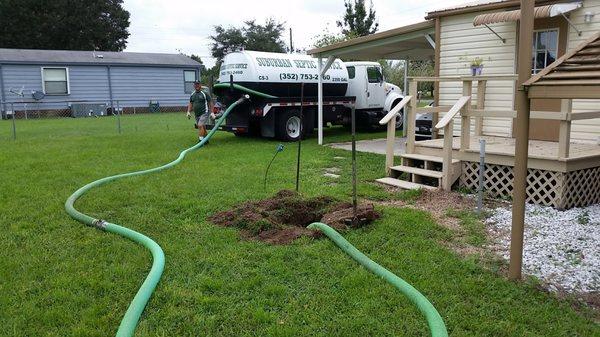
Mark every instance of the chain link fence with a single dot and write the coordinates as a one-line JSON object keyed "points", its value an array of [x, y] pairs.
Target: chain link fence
{"points": [[20, 115]]}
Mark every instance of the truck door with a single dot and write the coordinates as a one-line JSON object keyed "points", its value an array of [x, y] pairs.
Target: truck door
{"points": [[356, 85], [375, 89]]}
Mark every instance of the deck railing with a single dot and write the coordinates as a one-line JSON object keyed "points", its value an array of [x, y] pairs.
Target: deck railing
{"points": [[447, 124], [390, 120], [473, 108]]}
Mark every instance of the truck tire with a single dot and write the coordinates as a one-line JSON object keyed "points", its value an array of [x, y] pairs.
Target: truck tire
{"points": [[399, 119], [287, 126]]}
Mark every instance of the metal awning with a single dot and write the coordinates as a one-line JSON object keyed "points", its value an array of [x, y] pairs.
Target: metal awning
{"points": [[539, 12], [412, 41]]}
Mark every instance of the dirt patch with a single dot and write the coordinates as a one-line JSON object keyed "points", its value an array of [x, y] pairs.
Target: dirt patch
{"points": [[283, 218]]}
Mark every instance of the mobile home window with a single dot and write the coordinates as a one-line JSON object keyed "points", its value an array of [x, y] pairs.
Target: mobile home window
{"points": [[56, 81], [351, 72], [374, 75], [545, 49], [189, 77]]}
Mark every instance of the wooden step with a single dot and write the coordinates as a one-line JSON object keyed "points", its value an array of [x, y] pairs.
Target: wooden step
{"points": [[423, 157], [418, 171], [407, 185]]}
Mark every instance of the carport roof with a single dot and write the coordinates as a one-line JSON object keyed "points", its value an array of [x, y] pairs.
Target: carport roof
{"points": [[399, 43]]}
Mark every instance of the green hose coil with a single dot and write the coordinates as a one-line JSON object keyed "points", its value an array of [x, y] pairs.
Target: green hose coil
{"points": [[136, 307], [434, 320]]}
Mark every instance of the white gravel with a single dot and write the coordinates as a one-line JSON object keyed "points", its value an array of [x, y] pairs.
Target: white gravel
{"points": [[561, 248]]}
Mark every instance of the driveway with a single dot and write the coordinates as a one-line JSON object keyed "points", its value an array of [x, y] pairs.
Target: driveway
{"points": [[373, 146]]}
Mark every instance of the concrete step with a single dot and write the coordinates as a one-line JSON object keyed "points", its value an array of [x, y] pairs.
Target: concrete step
{"points": [[418, 171], [407, 185], [423, 157]]}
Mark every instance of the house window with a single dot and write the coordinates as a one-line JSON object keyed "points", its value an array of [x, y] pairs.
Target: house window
{"points": [[545, 49], [374, 75], [351, 72], [189, 77], [56, 81]]}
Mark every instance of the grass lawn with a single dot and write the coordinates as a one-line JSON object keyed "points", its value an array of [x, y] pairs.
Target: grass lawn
{"points": [[61, 278]]}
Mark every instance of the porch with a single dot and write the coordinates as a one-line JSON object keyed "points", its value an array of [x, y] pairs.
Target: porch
{"points": [[561, 173]]}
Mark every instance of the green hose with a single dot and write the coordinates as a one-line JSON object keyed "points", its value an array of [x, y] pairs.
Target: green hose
{"points": [[242, 88], [136, 307], [434, 320]]}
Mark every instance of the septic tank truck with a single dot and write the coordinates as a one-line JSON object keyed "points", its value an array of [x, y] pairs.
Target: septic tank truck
{"points": [[276, 82]]}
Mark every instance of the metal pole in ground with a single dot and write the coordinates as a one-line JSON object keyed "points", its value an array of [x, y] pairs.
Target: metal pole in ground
{"points": [[481, 175], [300, 137], [118, 117], [12, 109], [354, 201]]}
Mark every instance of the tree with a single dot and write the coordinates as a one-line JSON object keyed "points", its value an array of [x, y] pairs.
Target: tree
{"points": [[357, 20], [64, 24], [327, 38], [251, 36]]}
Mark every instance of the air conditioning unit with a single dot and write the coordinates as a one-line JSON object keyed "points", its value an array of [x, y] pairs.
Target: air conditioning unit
{"points": [[88, 110]]}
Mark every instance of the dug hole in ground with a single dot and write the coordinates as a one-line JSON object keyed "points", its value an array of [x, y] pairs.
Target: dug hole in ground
{"points": [[283, 218]]}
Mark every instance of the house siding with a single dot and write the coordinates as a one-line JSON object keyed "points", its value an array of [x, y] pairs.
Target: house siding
{"points": [[459, 43], [131, 85], [585, 130]]}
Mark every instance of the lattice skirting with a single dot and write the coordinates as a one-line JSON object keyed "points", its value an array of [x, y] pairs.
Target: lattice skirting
{"points": [[562, 190]]}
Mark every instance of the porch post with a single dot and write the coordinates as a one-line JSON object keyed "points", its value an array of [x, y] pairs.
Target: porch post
{"points": [[564, 135], [465, 120], [521, 141], [320, 101], [481, 86], [411, 117]]}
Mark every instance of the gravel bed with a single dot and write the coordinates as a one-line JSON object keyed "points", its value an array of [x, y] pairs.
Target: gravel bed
{"points": [[561, 248]]}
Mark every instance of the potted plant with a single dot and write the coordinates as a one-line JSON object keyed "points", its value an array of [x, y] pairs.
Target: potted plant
{"points": [[476, 66]]}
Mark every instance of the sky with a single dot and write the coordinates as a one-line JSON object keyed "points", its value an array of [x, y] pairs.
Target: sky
{"points": [[159, 26]]}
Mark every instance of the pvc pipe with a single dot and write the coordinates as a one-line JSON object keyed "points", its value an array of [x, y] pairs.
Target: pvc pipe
{"points": [[136, 307], [434, 320]]}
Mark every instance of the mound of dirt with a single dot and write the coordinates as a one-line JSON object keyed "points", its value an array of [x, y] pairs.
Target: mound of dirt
{"points": [[283, 218]]}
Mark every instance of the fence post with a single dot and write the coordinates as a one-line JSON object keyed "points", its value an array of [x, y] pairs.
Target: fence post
{"points": [[14, 127], [118, 118]]}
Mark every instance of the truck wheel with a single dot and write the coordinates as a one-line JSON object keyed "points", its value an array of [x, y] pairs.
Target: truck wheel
{"points": [[288, 126], [399, 119]]}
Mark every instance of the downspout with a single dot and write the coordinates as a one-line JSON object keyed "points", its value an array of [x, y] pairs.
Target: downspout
{"points": [[110, 92]]}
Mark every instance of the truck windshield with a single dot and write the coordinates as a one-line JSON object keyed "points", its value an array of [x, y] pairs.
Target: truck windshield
{"points": [[374, 75]]}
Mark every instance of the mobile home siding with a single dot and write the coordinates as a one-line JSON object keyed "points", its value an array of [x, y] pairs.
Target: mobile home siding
{"points": [[141, 84], [585, 130], [460, 42], [131, 85]]}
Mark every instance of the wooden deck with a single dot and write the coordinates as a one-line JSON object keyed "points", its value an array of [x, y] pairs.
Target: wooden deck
{"points": [[501, 151]]}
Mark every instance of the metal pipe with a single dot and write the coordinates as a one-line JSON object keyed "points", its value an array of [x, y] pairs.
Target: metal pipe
{"points": [[521, 141], [14, 127], [354, 200], [118, 117], [300, 137], [320, 101]]}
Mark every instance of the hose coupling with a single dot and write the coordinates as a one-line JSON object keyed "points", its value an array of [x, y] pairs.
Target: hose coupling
{"points": [[99, 223]]}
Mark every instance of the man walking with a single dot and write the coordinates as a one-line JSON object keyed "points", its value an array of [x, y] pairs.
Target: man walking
{"points": [[201, 103]]}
